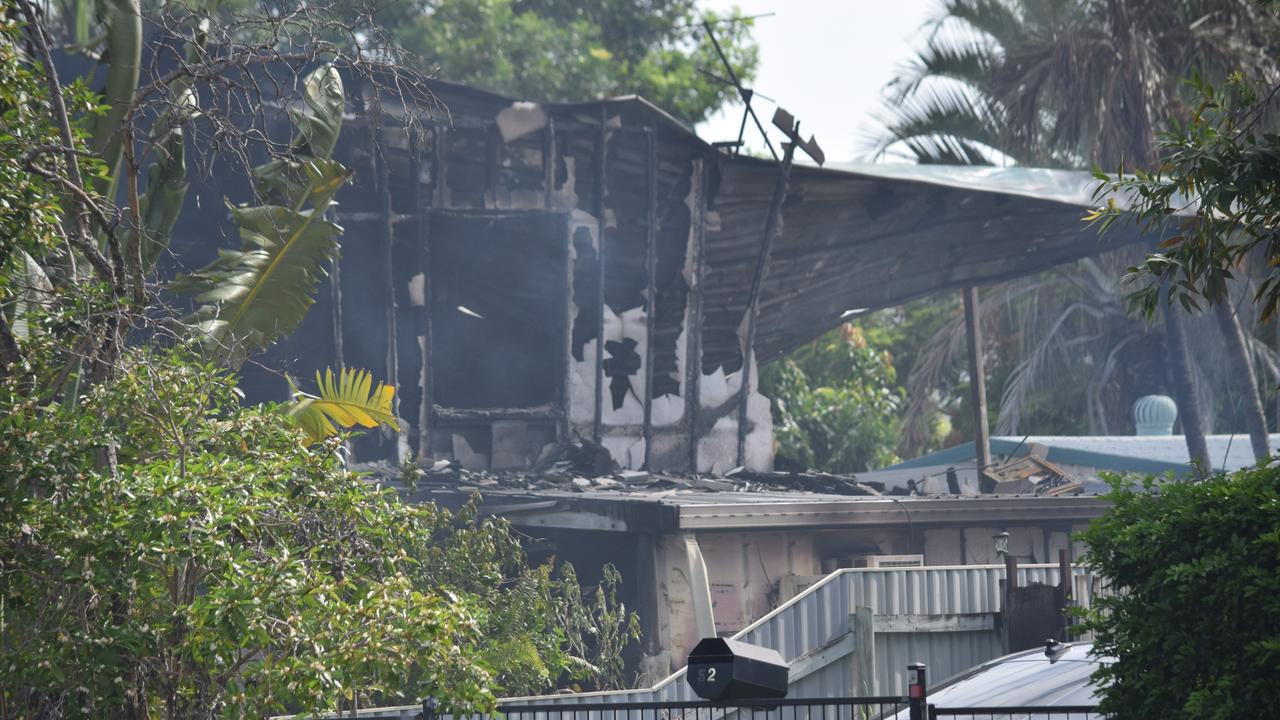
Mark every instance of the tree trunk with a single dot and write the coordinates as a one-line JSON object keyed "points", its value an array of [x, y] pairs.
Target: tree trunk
{"points": [[1184, 386], [1247, 383]]}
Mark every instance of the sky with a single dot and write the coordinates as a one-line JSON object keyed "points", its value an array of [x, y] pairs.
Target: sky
{"points": [[826, 62]]}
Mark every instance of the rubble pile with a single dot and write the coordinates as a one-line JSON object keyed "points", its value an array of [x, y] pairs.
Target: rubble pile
{"points": [[585, 465]]}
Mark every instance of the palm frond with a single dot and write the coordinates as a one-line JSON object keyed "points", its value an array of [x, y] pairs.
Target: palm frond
{"points": [[964, 61], [998, 19], [346, 402], [943, 125]]}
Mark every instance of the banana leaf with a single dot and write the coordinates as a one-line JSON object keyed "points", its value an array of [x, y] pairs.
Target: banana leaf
{"points": [[255, 295], [348, 402]]}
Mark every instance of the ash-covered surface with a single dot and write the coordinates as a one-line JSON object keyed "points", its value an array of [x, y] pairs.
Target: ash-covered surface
{"points": [[584, 465]]}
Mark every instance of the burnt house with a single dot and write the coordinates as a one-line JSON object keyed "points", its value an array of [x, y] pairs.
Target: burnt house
{"points": [[530, 273]]}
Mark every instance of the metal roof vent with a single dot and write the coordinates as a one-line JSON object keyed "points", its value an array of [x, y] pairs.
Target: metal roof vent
{"points": [[1155, 415]]}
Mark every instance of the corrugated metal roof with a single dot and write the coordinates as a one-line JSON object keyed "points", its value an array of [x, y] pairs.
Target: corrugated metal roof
{"points": [[1153, 454], [878, 237], [701, 510]]}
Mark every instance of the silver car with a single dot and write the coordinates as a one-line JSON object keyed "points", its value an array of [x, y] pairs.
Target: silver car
{"points": [[1057, 676]]}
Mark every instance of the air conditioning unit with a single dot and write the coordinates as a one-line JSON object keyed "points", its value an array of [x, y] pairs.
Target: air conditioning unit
{"points": [[888, 561]]}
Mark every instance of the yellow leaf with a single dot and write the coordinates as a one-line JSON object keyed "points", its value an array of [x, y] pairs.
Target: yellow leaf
{"points": [[600, 53], [347, 401]]}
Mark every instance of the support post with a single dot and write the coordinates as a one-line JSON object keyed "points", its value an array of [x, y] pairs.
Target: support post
{"points": [[918, 691], [1006, 609], [422, 207], [757, 283], [564, 427], [651, 285], [693, 328], [1066, 592], [602, 147], [382, 173], [335, 295], [862, 623], [549, 162], [977, 380]]}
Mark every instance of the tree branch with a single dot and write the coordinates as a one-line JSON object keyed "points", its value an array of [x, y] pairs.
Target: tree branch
{"points": [[58, 109], [84, 243], [10, 355]]}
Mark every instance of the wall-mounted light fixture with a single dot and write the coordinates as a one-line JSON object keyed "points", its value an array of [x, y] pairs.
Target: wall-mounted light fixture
{"points": [[1002, 544]]}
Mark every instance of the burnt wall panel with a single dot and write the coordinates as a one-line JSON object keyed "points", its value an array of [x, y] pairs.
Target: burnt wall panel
{"points": [[497, 309]]}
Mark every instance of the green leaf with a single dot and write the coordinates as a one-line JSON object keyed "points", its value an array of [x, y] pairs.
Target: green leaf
{"points": [[257, 294]]}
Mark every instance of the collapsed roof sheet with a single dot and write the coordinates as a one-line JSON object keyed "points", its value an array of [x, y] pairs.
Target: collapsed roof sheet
{"points": [[855, 237], [858, 238]]}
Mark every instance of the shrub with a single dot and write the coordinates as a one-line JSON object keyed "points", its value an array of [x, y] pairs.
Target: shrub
{"points": [[1195, 629]]}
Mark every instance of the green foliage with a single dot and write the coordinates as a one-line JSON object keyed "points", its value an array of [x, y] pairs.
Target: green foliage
{"points": [[261, 292], [29, 208], [1216, 197], [215, 566], [560, 50], [219, 568], [836, 403], [1196, 628]]}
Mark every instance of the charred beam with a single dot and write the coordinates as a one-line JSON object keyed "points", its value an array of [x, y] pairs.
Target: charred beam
{"points": [[651, 287], [693, 330], [382, 174], [566, 398], [359, 217], [422, 205], [549, 162], [977, 379], [335, 295], [602, 147], [757, 283], [538, 412]]}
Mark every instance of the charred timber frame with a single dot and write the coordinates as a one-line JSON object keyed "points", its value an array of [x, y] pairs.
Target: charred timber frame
{"points": [[548, 162], [382, 185], [757, 283], [977, 379], [651, 284], [335, 295], [601, 165], [693, 328], [422, 203], [565, 424]]}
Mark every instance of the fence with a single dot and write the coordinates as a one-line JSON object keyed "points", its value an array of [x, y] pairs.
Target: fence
{"points": [[913, 706], [1059, 712], [849, 708]]}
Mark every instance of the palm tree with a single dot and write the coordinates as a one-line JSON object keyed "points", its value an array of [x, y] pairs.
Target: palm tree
{"points": [[1070, 83]]}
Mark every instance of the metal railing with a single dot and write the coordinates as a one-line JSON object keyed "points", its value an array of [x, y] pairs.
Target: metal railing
{"points": [[846, 708], [913, 706], [1025, 712]]}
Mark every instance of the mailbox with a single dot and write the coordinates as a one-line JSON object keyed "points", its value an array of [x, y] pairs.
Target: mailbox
{"points": [[727, 670]]}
